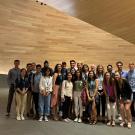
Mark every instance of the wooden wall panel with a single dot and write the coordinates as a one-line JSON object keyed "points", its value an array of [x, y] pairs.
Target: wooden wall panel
{"points": [[114, 16], [31, 32]]}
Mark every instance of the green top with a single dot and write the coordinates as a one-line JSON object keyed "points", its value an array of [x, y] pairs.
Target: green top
{"points": [[78, 85]]}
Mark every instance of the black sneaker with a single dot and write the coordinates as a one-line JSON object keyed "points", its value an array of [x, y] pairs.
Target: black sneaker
{"points": [[103, 121], [36, 117]]}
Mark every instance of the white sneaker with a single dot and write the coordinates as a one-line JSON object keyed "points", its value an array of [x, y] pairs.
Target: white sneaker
{"points": [[65, 120], [18, 118], [22, 117], [120, 118], [41, 119], [76, 119], [122, 124], [69, 119], [46, 119], [113, 123], [129, 125], [79, 120], [108, 123]]}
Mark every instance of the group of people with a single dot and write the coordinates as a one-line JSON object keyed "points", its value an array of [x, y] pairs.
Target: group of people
{"points": [[81, 92]]}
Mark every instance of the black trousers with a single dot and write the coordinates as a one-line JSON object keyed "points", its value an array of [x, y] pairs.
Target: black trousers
{"points": [[10, 97], [66, 107], [36, 101], [101, 100]]}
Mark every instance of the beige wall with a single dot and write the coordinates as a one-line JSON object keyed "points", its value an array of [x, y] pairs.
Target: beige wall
{"points": [[31, 32], [114, 16]]}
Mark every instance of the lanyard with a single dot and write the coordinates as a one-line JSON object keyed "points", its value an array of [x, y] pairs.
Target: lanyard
{"points": [[47, 80]]}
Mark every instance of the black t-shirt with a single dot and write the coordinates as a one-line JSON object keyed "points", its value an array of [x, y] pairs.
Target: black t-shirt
{"points": [[22, 83], [124, 91]]}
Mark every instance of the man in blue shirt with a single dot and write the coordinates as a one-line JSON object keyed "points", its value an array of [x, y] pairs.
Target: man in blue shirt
{"points": [[35, 88], [13, 75], [122, 72]]}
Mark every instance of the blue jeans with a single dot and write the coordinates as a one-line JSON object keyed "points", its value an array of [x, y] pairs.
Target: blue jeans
{"points": [[44, 105]]}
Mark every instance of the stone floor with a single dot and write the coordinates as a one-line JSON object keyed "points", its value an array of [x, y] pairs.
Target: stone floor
{"points": [[10, 126]]}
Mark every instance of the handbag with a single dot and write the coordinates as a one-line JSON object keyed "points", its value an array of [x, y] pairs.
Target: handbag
{"points": [[84, 97], [111, 98]]}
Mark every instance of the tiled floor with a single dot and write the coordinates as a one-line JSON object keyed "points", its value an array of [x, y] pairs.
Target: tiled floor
{"points": [[31, 32], [10, 126]]}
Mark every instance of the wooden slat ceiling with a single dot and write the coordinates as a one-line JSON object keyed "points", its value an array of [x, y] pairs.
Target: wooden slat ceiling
{"points": [[33, 33], [114, 16]]}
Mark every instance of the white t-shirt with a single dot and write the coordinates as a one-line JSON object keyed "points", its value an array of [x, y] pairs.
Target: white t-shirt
{"points": [[67, 89]]}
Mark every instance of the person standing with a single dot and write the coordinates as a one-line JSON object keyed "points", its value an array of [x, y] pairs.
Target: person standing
{"points": [[79, 66], [110, 70], [66, 96], [85, 72], [46, 66], [57, 83], [22, 86], [64, 70], [33, 67], [101, 100], [78, 86], [109, 90], [35, 88], [45, 86], [91, 94], [123, 74], [93, 68], [124, 93], [29, 106], [13, 75], [131, 80], [72, 69]]}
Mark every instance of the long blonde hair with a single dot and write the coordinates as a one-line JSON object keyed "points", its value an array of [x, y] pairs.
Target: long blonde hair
{"points": [[120, 81]]}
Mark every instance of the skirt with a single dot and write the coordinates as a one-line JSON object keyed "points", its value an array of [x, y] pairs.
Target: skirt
{"points": [[54, 99]]}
